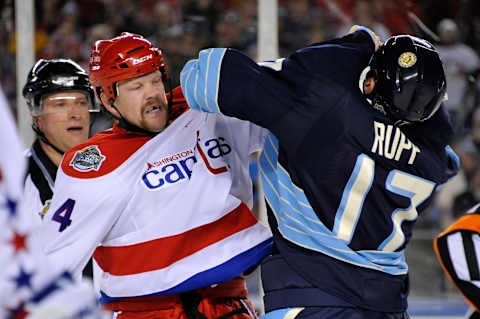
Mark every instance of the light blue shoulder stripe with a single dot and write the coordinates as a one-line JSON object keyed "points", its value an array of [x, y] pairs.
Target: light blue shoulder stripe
{"points": [[298, 223], [212, 80], [200, 80], [451, 154], [188, 77]]}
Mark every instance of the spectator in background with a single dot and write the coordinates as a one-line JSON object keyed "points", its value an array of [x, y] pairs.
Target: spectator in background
{"points": [[366, 13], [454, 197], [65, 41], [458, 60], [94, 33], [297, 22], [464, 201], [203, 13], [395, 15], [247, 14], [229, 32], [469, 20]]}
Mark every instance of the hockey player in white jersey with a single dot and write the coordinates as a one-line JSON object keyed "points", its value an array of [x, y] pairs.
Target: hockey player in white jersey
{"points": [[29, 287], [162, 200]]}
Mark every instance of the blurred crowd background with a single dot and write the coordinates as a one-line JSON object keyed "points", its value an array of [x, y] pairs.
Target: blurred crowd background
{"points": [[68, 28]]}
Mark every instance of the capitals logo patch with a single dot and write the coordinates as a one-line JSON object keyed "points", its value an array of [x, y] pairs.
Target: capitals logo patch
{"points": [[90, 158]]}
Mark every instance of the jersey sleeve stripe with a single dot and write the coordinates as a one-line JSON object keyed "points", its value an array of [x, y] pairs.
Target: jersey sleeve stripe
{"points": [[201, 91]]}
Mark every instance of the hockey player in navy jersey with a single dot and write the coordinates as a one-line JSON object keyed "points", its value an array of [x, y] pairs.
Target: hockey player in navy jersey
{"points": [[358, 146]]}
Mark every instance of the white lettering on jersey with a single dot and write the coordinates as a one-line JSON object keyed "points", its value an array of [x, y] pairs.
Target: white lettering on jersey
{"points": [[383, 144]]}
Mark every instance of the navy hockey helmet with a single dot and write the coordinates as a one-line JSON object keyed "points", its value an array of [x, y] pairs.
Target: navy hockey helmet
{"points": [[410, 81], [50, 76]]}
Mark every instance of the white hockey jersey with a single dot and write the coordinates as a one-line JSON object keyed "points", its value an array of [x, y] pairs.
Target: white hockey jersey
{"points": [[160, 215], [39, 181]]}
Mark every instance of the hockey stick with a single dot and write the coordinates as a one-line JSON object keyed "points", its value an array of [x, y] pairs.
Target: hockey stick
{"points": [[426, 30]]}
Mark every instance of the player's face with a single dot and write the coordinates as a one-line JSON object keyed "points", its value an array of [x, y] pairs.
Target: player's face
{"points": [[142, 101], [64, 119], [368, 85]]}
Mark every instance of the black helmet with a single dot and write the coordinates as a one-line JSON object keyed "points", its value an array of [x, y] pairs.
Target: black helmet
{"points": [[49, 76], [410, 82]]}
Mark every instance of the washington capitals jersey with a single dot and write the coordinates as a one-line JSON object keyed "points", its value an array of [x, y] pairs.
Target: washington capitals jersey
{"points": [[160, 215], [344, 184]]}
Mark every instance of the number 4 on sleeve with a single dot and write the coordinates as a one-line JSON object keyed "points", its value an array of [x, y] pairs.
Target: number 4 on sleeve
{"points": [[62, 215]]}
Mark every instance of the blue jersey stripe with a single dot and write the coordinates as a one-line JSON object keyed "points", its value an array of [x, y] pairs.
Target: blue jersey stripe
{"points": [[188, 81], [298, 222], [200, 79], [214, 62], [224, 272]]}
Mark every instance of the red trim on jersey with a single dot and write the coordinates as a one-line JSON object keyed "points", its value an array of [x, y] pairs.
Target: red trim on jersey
{"points": [[214, 171], [118, 144], [179, 104], [162, 252]]}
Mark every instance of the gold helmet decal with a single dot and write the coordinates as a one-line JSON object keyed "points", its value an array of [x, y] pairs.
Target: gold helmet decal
{"points": [[407, 59]]}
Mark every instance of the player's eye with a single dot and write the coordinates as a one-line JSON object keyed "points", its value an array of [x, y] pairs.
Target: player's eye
{"points": [[134, 87]]}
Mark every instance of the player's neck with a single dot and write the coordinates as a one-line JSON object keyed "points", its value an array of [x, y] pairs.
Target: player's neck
{"points": [[52, 154]]}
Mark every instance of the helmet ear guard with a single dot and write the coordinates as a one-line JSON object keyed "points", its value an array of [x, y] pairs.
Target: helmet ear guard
{"points": [[410, 81]]}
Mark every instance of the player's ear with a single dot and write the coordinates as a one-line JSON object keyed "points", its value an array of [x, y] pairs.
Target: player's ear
{"points": [[36, 121], [368, 85], [108, 105]]}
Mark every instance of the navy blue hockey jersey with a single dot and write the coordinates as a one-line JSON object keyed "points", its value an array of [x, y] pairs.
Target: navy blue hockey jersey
{"points": [[344, 184]]}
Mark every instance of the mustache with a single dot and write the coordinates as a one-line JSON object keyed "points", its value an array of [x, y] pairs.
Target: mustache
{"points": [[155, 102]]}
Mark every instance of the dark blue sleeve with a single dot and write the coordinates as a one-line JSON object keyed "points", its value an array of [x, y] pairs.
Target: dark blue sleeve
{"points": [[310, 81]]}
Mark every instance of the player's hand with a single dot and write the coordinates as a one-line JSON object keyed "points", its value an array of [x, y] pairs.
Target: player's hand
{"points": [[377, 39]]}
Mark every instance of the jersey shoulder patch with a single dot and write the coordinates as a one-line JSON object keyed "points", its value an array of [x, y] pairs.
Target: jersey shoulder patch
{"points": [[102, 153]]}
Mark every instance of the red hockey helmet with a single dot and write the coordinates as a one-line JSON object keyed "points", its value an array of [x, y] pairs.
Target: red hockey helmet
{"points": [[126, 56]]}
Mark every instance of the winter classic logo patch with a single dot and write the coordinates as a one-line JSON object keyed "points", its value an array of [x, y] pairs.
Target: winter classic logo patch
{"points": [[90, 158]]}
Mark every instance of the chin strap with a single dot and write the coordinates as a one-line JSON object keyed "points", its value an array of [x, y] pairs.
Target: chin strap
{"points": [[44, 139]]}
